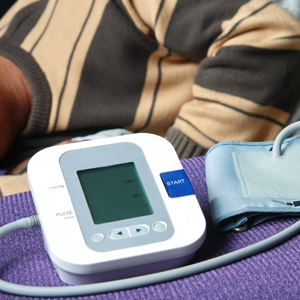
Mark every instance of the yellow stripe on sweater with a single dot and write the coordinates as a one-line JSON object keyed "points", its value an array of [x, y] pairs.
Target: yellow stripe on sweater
{"points": [[241, 104], [167, 87], [77, 63], [210, 121], [259, 24], [136, 18], [147, 10], [164, 19], [54, 48]]}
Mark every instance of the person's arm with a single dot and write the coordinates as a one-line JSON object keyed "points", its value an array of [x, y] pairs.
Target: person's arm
{"points": [[15, 103], [248, 81], [133, 64]]}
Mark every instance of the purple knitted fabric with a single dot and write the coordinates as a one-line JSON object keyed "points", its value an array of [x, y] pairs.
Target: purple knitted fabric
{"points": [[3, 172], [271, 275]]}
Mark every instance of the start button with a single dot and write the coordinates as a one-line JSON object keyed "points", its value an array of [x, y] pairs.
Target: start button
{"points": [[177, 183]]}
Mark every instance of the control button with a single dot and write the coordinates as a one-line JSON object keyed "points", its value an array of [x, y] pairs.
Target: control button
{"points": [[159, 226], [97, 237], [177, 183], [117, 234], [139, 230]]}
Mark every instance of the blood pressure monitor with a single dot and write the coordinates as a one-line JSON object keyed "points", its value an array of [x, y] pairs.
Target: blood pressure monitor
{"points": [[114, 208]]}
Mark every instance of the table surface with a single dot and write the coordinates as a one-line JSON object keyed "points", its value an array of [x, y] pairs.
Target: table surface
{"points": [[273, 274]]}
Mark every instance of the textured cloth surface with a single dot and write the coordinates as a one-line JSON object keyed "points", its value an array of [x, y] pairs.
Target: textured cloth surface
{"points": [[270, 275], [246, 185], [3, 172], [264, 176]]}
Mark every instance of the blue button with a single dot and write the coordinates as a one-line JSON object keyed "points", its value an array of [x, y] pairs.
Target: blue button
{"points": [[177, 184]]}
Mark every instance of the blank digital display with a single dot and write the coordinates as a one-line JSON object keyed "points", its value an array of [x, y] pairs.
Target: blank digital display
{"points": [[114, 193]]}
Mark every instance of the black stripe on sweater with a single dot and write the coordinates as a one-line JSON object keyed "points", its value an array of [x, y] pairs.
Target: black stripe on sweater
{"points": [[197, 129], [242, 111], [114, 73], [24, 21], [123, 9], [291, 37], [155, 92], [266, 77], [69, 64], [196, 24], [49, 21], [239, 22], [159, 11]]}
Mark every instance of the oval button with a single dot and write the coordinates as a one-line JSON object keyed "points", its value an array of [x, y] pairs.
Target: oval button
{"points": [[159, 226], [139, 230], [97, 237], [118, 234]]}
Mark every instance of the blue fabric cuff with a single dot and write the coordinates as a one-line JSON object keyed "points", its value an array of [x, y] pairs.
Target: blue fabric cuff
{"points": [[246, 185]]}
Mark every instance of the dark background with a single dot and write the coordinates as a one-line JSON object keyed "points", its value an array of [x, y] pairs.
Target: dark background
{"points": [[5, 5]]}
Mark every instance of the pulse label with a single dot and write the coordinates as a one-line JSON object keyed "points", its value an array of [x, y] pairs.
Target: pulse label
{"points": [[63, 214], [56, 187], [66, 215]]}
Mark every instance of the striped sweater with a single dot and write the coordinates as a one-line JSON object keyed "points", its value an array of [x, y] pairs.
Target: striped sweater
{"points": [[195, 71]]}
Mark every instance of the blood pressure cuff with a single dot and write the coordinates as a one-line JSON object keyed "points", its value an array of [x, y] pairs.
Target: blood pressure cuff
{"points": [[247, 185]]}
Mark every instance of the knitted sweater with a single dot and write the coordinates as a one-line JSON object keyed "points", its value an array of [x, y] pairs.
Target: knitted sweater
{"points": [[202, 71], [197, 72]]}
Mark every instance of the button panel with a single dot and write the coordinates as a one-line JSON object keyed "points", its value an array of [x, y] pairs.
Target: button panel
{"points": [[133, 231]]}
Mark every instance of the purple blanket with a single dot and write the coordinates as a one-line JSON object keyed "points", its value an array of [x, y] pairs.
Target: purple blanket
{"points": [[271, 275]]}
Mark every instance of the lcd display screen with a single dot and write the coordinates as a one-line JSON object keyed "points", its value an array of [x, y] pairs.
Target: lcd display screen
{"points": [[114, 193]]}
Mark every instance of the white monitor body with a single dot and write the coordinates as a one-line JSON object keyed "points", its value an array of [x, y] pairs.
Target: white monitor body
{"points": [[115, 208]]}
